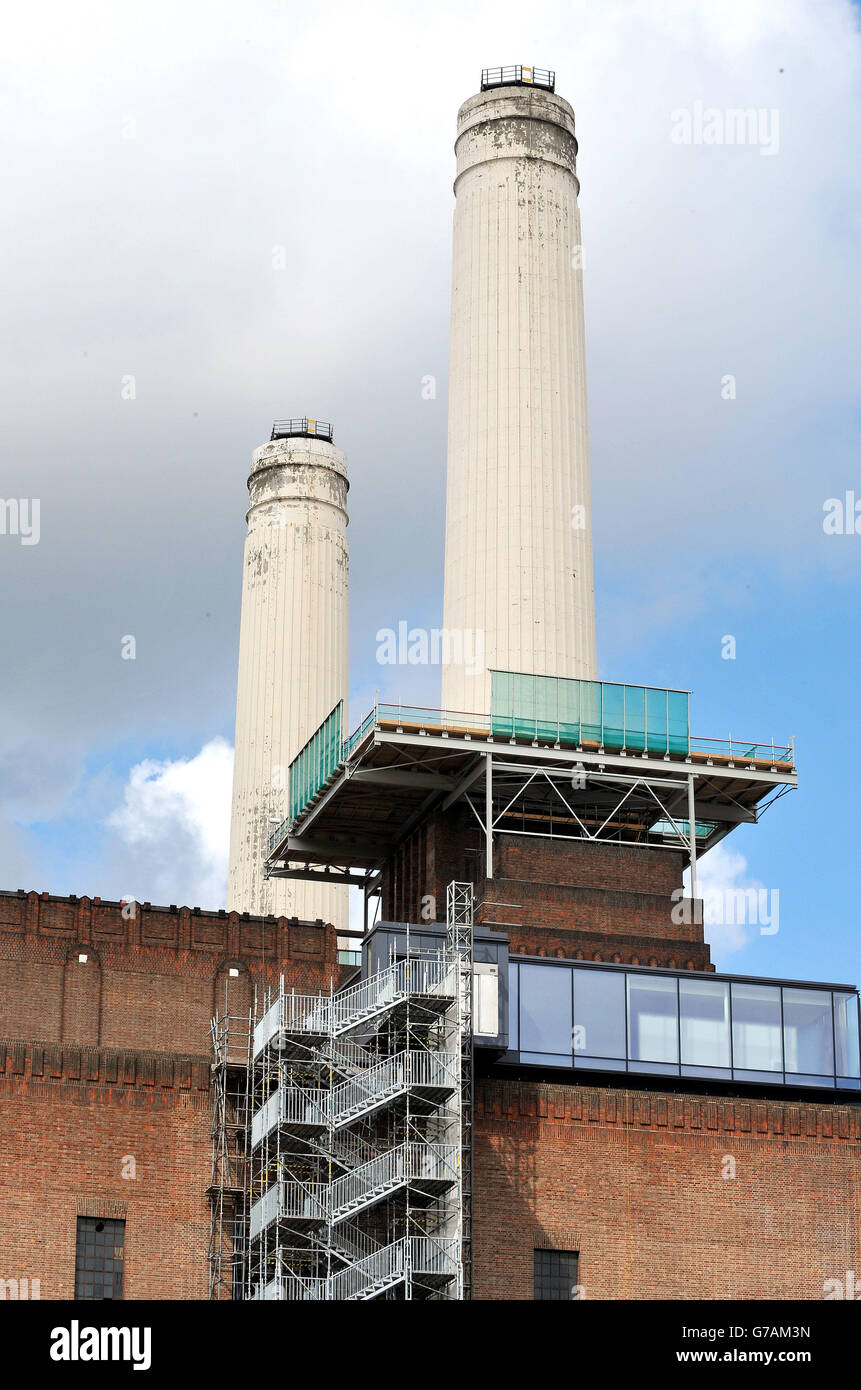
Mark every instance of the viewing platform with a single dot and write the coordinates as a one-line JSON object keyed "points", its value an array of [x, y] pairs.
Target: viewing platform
{"points": [[562, 758]]}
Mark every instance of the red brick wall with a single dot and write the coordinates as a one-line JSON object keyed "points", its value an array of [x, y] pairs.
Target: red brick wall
{"points": [[554, 897], [109, 1059], [152, 980], [72, 1119], [634, 1182]]}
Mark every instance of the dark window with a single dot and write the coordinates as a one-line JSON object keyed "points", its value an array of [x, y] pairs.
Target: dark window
{"points": [[99, 1258], [555, 1275]]}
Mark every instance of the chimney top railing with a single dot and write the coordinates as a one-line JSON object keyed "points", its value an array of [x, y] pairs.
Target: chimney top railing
{"points": [[302, 428], [516, 75]]}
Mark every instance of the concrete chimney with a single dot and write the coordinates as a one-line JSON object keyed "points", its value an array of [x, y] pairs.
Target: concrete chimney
{"points": [[518, 552], [292, 652]]}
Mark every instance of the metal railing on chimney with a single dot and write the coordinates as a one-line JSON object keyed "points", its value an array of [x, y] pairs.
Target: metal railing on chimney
{"points": [[516, 75]]}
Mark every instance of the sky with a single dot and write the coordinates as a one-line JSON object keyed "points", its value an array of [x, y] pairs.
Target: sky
{"points": [[216, 215]]}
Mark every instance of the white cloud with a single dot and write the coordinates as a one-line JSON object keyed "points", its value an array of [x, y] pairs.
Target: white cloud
{"points": [[724, 885], [175, 821]]}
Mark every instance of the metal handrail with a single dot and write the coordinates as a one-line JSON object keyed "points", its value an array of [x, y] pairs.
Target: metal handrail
{"points": [[428, 976], [528, 729], [518, 75], [434, 1256], [292, 1013], [744, 750], [384, 1266], [297, 427], [351, 1242], [392, 1077], [400, 1165]]}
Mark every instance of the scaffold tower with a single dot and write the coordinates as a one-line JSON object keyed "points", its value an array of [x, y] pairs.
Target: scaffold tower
{"points": [[228, 1186], [356, 1144], [460, 920]]}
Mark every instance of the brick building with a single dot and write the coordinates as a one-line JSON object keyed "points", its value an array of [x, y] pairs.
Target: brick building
{"points": [[702, 1139], [106, 1076], [531, 1083], [643, 1185]]}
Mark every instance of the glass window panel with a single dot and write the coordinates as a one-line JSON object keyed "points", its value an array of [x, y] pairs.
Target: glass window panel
{"points": [[704, 1011], [635, 717], [846, 1034], [756, 1042], [808, 1040], [656, 720], [555, 1276], [545, 1009], [774, 1078], [599, 1013], [569, 711], [513, 1008], [678, 711], [99, 1258], [547, 706], [614, 702], [599, 1063], [653, 1022], [655, 1068], [590, 710]]}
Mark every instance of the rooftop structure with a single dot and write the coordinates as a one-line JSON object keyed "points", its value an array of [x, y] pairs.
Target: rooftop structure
{"points": [[302, 428], [518, 75], [553, 759]]}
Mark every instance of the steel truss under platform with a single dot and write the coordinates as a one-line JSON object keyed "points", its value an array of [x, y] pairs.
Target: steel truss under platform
{"points": [[396, 774]]}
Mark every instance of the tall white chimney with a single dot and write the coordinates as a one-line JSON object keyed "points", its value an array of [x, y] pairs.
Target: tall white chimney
{"points": [[518, 546], [292, 652]]}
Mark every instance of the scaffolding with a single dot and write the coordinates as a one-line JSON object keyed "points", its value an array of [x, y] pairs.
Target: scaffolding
{"points": [[228, 1187], [460, 920], [341, 1151]]}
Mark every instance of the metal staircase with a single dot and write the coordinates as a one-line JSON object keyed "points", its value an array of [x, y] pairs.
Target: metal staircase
{"points": [[355, 1150]]}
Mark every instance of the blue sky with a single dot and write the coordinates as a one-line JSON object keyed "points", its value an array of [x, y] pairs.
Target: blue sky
{"points": [[179, 148]]}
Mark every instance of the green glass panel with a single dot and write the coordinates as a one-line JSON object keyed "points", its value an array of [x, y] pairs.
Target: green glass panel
{"points": [[548, 708], [590, 711], [568, 697], [635, 717], [656, 721], [614, 716], [679, 721]]}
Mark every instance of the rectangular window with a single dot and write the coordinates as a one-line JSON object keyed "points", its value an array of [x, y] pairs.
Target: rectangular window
{"points": [[555, 1276], [846, 1034], [653, 1019], [545, 1011], [599, 1016], [756, 1034], [705, 1023], [808, 1038], [99, 1258]]}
